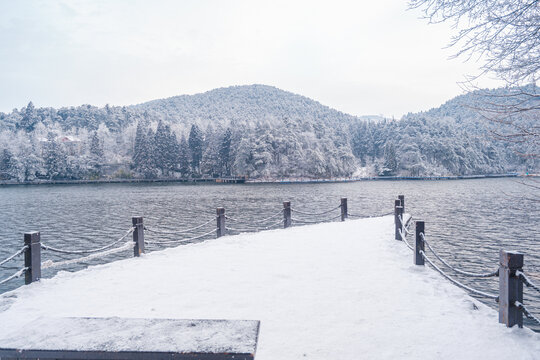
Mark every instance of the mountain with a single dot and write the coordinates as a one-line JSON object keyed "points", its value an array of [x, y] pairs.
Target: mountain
{"points": [[256, 130]]}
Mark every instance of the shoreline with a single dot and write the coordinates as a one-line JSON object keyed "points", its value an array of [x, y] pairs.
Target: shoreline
{"points": [[282, 181]]}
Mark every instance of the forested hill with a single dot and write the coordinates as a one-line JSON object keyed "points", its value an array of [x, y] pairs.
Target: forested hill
{"points": [[242, 105], [257, 130]]}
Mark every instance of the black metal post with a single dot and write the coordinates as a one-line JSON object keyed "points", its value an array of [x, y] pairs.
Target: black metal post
{"points": [[220, 222], [402, 200], [32, 257], [397, 214], [138, 235], [286, 214], [344, 211], [510, 288], [419, 243]]}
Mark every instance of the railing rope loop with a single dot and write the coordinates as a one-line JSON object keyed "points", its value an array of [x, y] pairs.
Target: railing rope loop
{"points": [[20, 252], [50, 264], [50, 248], [316, 214], [176, 232], [527, 313], [465, 273], [527, 281], [180, 240], [457, 283], [18, 274]]}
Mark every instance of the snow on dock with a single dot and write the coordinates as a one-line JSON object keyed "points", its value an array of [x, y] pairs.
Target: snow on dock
{"points": [[335, 290]]}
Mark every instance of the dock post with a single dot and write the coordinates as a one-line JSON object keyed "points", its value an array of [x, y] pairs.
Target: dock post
{"points": [[138, 235], [220, 231], [286, 214], [510, 288], [419, 243], [344, 212], [397, 214], [32, 257], [402, 200]]}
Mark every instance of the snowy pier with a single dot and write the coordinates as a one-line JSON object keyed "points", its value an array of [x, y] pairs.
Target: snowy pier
{"points": [[333, 290]]}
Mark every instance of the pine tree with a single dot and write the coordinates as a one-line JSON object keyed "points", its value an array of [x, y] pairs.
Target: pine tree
{"points": [[139, 147], [196, 147], [183, 157], [390, 160], [29, 119], [96, 147], [8, 165], [55, 159], [173, 151], [161, 149], [225, 153]]}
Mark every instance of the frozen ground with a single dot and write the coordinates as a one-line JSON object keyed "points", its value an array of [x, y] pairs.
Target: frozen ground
{"points": [[338, 290]]}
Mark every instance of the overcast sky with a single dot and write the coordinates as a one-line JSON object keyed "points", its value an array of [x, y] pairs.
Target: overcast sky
{"points": [[360, 57]]}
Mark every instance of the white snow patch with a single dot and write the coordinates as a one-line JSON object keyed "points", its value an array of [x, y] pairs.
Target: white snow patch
{"points": [[337, 290]]}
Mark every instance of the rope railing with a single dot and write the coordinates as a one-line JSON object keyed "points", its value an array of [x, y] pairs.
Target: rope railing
{"points": [[50, 264], [510, 269], [22, 250], [305, 221], [405, 225], [257, 229], [18, 274], [176, 232], [164, 242], [164, 236], [527, 281], [457, 283], [404, 238], [465, 273], [526, 311], [279, 213], [315, 214], [89, 251], [369, 216]]}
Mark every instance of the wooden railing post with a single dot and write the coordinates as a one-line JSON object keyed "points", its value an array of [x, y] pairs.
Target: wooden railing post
{"points": [[402, 200], [397, 213], [138, 235], [419, 243], [286, 214], [344, 212], [220, 231], [510, 288], [32, 257]]}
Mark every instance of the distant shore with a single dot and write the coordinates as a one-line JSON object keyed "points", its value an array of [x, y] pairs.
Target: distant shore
{"points": [[262, 181]]}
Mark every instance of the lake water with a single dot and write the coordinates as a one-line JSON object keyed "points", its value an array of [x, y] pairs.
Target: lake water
{"points": [[468, 221]]}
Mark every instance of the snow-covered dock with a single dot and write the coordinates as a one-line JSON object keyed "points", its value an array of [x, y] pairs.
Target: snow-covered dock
{"points": [[335, 290]]}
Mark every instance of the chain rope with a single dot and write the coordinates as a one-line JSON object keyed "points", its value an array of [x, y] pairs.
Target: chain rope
{"points": [[305, 221], [165, 242], [50, 264], [280, 222], [527, 313], [280, 212], [22, 250], [466, 273], [165, 232], [369, 216], [50, 248], [316, 214], [457, 283], [14, 276], [404, 238], [527, 281]]}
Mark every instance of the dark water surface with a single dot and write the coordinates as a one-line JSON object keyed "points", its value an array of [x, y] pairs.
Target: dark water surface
{"points": [[468, 221]]}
